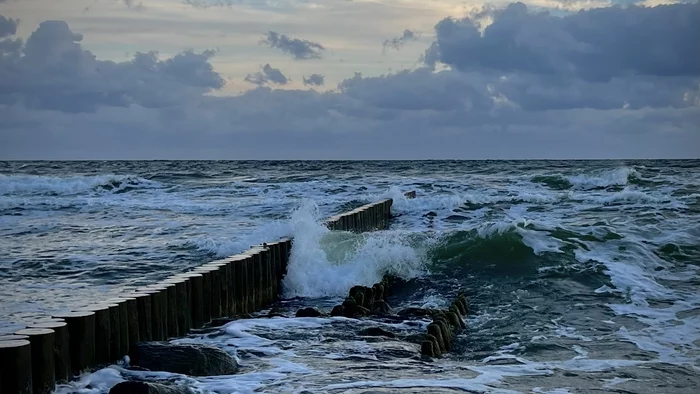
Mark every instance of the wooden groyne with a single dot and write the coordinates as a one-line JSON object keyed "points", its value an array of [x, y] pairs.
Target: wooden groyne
{"points": [[58, 348]]}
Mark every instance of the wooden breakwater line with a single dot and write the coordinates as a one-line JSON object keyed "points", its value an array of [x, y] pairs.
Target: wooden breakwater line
{"points": [[57, 348]]}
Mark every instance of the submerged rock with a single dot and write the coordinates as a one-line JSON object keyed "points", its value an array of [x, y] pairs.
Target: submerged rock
{"points": [[377, 332], [147, 388], [186, 359], [416, 312], [308, 312]]}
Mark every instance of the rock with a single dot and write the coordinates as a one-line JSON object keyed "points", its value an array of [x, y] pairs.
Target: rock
{"points": [[186, 359], [362, 311], [426, 349], [430, 214], [349, 307], [435, 330], [378, 292], [377, 332], [147, 388], [359, 299], [381, 308], [338, 310], [308, 312]]}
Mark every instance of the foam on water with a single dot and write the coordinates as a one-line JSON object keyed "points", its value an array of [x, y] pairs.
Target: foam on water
{"points": [[72, 185], [325, 263]]}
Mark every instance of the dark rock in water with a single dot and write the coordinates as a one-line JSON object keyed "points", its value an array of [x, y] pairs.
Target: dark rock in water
{"points": [[416, 312], [430, 214], [308, 312], [186, 359], [426, 348], [378, 292], [338, 310], [377, 332], [362, 311], [349, 307], [382, 308], [456, 218], [147, 388]]}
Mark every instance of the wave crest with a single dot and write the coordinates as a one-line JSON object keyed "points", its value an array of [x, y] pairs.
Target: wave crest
{"points": [[23, 185]]}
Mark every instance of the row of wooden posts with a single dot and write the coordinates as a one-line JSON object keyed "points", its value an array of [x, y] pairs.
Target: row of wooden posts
{"points": [[57, 348]]}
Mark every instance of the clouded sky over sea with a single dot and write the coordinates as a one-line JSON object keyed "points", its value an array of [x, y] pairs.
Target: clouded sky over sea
{"points": [[349, 79]]}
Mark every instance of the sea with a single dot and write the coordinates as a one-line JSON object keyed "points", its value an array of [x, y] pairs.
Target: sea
{"points": [[581, 276]]}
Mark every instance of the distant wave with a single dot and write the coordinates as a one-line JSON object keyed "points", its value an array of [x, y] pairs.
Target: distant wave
{"points": [[32, 185], [601, 180]]}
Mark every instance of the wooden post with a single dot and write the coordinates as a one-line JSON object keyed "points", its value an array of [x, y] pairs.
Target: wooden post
{"points": [[159, 309], [145, 315], [266, 286], [274, 268], [215, 289], [257, 279], [119, 326], [206, 292], [43, 368], [231, 285], [102, 333], [184, 315], [218, 279], [240, 285], [132, 323], [81, 336], [16, 372], [196, 294], [61, 348], [250, 283]]}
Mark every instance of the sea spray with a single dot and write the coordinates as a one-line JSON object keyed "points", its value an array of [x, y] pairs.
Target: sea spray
{"points": [[325, 263]]}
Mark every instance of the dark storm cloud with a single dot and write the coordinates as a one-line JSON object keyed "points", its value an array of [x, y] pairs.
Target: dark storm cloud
{"points": [[8, 26], [298, 48], [314, 80], [267, 76], [398, 42], [53, 71], [595, 45]]}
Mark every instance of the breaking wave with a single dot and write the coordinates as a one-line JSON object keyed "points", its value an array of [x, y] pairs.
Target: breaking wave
{"points": [[36, 185]]}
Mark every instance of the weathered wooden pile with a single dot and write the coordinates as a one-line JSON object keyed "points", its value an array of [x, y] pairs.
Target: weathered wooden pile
{"points": [[57, 348]]}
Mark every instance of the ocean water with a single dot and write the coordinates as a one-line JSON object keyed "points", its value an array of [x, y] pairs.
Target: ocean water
{"points": [[582, 276]]}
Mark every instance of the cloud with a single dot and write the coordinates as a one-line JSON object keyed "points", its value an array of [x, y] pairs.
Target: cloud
{"points": [[314, 80], [64, 103], [52, 71], [398, 42], [8, 26], [298, 48], [267, 76], [596, 45]]}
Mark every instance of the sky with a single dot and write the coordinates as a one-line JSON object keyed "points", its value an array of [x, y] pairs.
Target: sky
{"points": [[349, 79]]}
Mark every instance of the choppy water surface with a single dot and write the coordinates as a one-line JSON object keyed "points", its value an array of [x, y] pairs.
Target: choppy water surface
{"points": [[582, 276]]}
